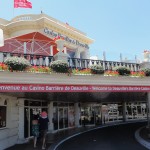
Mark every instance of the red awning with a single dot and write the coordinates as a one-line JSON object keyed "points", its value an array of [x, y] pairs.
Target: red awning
{"points": [[34, 36], [36, 43]]}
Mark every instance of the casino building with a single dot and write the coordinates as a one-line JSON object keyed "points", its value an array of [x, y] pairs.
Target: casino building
{"points": [[34, 34], [69, 101]]}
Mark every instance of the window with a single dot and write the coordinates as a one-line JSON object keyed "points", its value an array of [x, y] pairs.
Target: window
{"points": [[2, 116]]}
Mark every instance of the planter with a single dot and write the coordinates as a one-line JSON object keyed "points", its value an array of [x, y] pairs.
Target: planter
{"points": [[17, 63], [82, 74]]}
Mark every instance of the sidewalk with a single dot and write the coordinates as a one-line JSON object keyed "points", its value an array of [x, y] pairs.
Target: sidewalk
{"points": [[52, 139]]}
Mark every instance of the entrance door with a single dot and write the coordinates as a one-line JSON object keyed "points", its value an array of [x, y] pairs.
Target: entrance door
{"points": [[141, 111], [136, 110], [28, 117], [87, 115], [63, 117], [97, 112]]}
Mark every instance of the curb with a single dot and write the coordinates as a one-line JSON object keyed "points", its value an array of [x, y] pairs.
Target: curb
{"points": [[141, 140]]}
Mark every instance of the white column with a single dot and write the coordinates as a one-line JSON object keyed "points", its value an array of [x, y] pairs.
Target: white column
{"points": [[65, 50], [85, 54], [124, 111], [25, 47], [40, 61], [104, 56], [51, 50], [1, 57], [1, 38], [77, 53], [50, 115], [46, 61], [120, 57], [20, 104], [77, 114]]}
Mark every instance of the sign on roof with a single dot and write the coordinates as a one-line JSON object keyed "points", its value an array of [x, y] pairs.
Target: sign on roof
{"points": [[66, 38]]}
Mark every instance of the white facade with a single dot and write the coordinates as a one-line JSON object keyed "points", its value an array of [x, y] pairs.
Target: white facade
{"points": [[9, 134]]}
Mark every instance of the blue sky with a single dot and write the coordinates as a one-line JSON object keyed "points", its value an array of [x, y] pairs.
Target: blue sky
{"points": [[117, 26]]}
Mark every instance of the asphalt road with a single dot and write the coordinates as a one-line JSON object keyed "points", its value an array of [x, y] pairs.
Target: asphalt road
{"points": [[110, 138]]}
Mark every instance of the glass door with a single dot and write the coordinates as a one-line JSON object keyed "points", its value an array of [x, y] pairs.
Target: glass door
{"points": [[28, 117], [32, 107], [63, 117], [97, 111], [87, 115], [141, 110]]}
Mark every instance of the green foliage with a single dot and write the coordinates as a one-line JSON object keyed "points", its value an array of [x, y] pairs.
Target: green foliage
{"points": [[146, 71], [59, 66], [17, 63], [122, 70], [97, 69]]}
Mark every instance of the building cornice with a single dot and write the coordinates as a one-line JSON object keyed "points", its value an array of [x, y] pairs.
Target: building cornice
{"points": [[35, 22]]}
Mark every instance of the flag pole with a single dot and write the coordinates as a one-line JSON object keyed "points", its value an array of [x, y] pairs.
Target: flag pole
{"points": [[41, 10], [13, 9]]}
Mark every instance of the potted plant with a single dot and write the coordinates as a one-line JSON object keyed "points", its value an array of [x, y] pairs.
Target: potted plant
{"points": [[146, 71], [17, 63], [122, 70], [97, 69], [59, 66]]}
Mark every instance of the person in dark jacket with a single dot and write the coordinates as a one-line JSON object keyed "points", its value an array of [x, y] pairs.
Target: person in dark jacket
{"points": [[43, 125]]}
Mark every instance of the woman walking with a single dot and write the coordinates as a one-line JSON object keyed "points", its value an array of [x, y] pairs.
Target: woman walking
{"points": [[35, 129]]}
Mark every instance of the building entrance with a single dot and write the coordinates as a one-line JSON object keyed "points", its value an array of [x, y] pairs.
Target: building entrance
{"points": [[136, 110], [63, 115], [112, 112], [32, 108], [90, 114]]}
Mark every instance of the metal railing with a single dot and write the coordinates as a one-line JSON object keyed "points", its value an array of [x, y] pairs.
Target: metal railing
{"points": [[40, 60], [35, 60], [107, 65]]}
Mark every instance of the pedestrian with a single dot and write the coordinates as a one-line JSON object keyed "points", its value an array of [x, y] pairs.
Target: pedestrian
{"points": [[35, 129], [43, 123]]}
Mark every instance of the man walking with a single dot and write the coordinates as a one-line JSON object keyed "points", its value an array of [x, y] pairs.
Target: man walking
{"points": [[43, 123]]}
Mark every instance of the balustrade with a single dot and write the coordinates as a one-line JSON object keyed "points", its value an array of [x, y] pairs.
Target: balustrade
{"points": [[107, 65], [40, 60]]}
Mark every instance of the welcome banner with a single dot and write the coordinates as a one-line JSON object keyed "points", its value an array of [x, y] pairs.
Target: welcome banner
{"points": [[22, 4], [70, 88]]}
